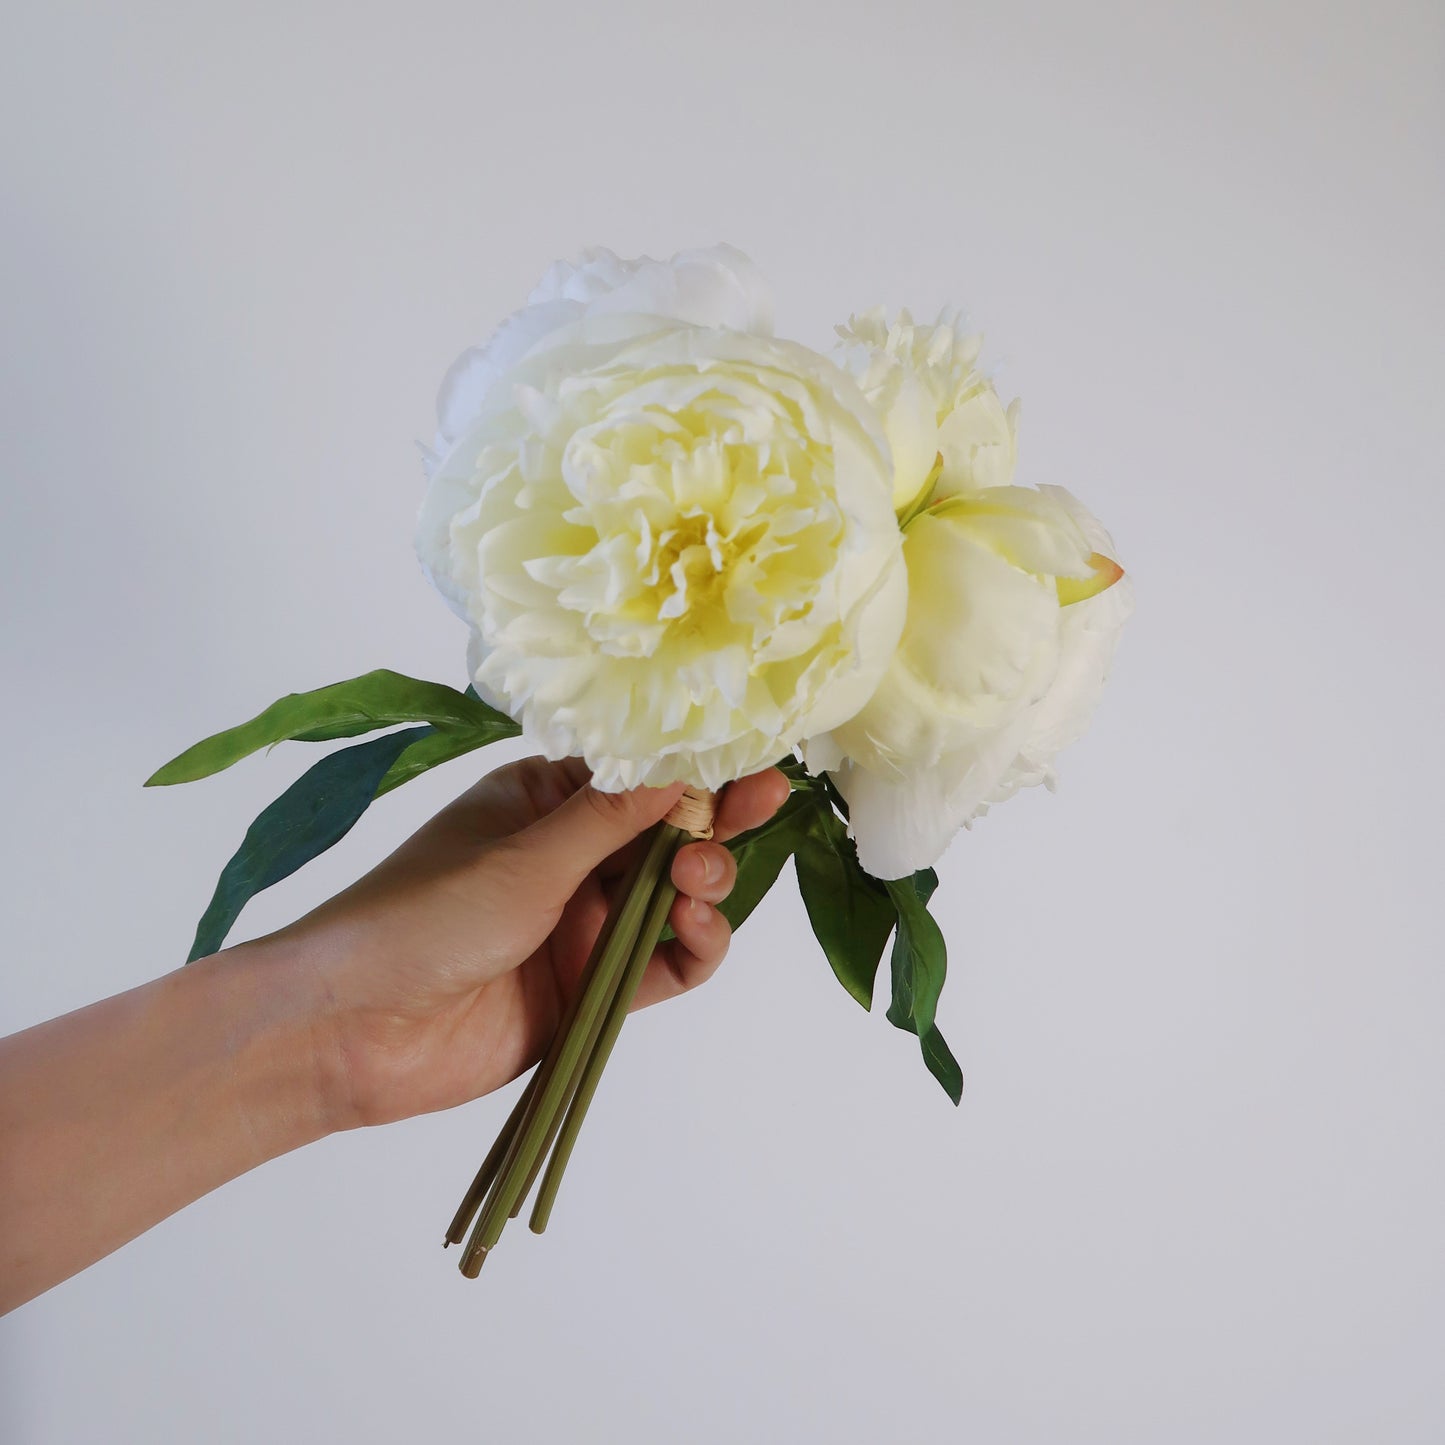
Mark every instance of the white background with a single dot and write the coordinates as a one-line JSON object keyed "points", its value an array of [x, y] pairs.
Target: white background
{"points": [[1195, 1188]]}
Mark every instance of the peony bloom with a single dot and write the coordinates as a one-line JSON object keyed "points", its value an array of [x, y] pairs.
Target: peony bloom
{"points": [[944, 421], [673, 541], [1014, 606]]}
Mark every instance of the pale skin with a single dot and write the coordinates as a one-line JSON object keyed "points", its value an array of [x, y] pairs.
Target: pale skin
{"points": [[436, 978]]}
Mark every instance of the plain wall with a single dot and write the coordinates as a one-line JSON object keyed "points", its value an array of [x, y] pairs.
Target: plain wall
{"points": [[1195, 1188]]}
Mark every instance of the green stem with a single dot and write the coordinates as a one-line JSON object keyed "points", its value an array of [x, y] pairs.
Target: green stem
{"points": [[496, 1157], [583, 1055], [472, 1200], [504, 1149], [500, 1197], [652, 926], [557, 1069]]}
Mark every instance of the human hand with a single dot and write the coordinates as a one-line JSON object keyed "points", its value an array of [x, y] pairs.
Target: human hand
{"points": [[445, 970]]}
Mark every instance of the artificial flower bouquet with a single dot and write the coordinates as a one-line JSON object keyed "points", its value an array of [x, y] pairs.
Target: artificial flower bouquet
{"points": [[687, 550]]}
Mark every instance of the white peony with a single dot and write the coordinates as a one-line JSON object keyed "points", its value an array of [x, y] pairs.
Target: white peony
{"points": [[674, 542], [946, 426], [1014, 607]]}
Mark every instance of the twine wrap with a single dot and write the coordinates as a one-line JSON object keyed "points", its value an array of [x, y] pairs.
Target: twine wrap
{"points": [[694, 812]]}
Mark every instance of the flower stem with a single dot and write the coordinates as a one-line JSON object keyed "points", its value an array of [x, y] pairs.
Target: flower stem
{"points": [[472, 1200], [503, 1150], [588, 1044], [578, 1070], [556, 1073], [553, 1088], [652, 926]]}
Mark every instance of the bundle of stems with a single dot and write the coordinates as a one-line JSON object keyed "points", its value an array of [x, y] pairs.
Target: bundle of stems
{"points": [[549, 1112]]}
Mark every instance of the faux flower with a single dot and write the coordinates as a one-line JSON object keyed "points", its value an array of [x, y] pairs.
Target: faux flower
{"points": [[944, 421], [674, 543], [1015, 603], [685, 550]]}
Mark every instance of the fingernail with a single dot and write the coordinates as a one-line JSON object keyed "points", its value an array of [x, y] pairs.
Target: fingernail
{"points": [[712, 868], [700, 910]]}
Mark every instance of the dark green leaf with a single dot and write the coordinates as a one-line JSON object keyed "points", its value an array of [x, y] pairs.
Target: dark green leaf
{"points": [[920, 956], [941, 1063], [378, 699], [851, 911], [432, 747], [760, 855], [317, 810], [919, 967]]}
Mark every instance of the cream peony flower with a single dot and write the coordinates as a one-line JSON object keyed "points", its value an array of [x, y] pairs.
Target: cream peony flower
{"points": [[718, 286], [674, 542], [947, 428], [1014, 607]]}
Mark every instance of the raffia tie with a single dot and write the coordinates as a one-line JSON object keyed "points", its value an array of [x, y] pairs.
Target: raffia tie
{"points": [[694, 812]]}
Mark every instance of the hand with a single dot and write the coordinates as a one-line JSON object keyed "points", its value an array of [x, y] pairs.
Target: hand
{"points": [[446, 969], [439, 976]]}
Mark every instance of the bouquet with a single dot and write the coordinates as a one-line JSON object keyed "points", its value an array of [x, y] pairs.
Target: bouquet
{"points": [[686, 550]]}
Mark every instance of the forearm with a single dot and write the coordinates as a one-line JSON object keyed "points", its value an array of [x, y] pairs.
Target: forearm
{"points": [[113, 1117]]}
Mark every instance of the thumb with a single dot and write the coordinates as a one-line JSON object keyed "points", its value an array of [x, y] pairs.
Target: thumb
{"points": [[590, 826]]}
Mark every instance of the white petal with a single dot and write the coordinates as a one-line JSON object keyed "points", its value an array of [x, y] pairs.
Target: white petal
{"points": [[977, 443], [912, 428], [721, 286], [980, 633], [1033, 530], [904, 824], [467, 386]]}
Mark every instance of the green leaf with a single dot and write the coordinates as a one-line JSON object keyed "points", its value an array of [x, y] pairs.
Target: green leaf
{"points": [[920, 956], [317, 810], [919, 967], [941, 1063], [761, 853], [378, 699], [432, 747], [851, 912]]}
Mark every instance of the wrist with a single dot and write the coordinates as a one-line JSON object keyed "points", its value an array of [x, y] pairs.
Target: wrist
{"points": [[278, 1042]]}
